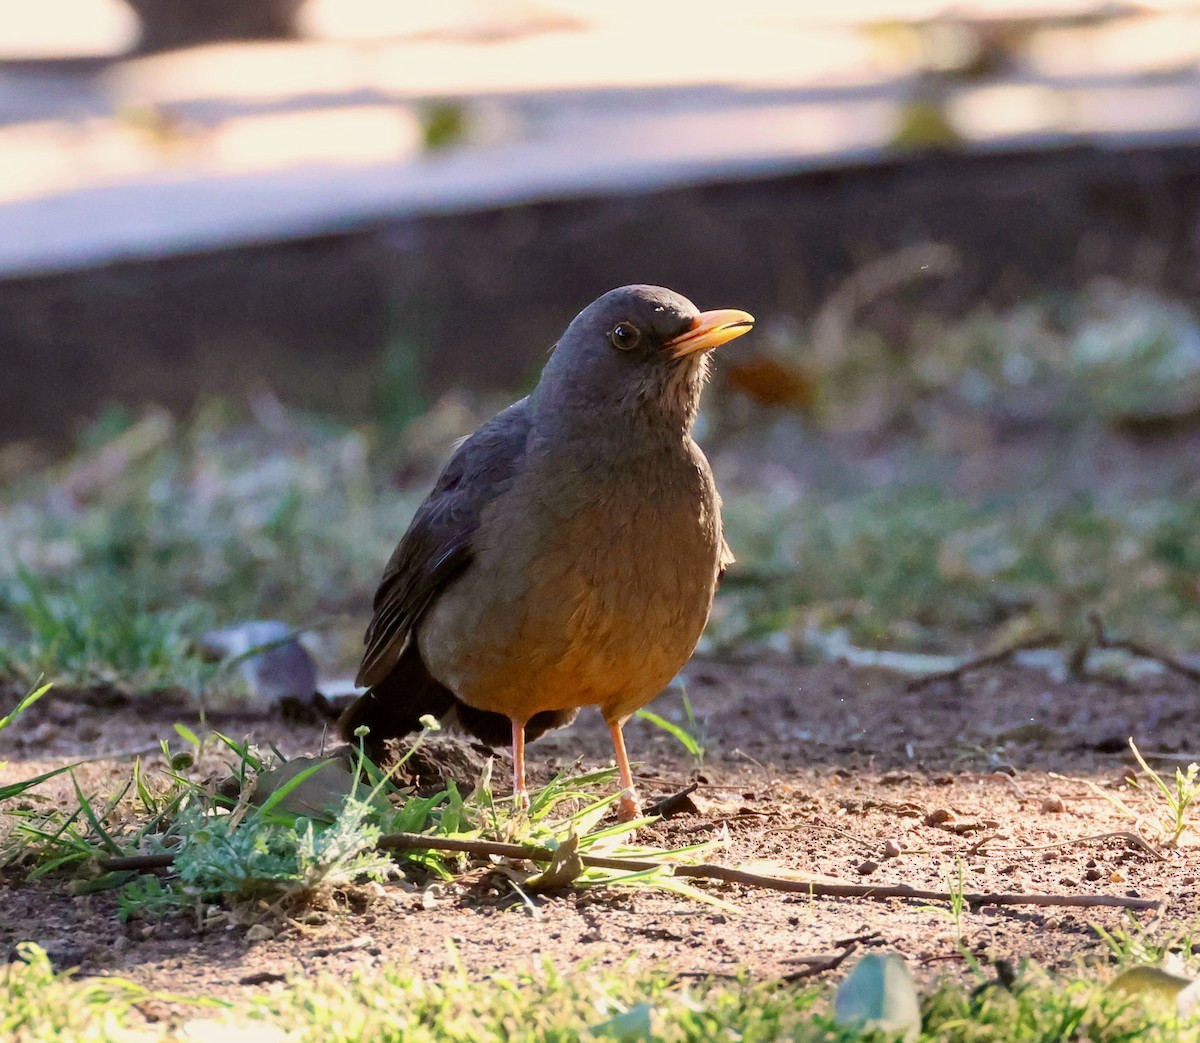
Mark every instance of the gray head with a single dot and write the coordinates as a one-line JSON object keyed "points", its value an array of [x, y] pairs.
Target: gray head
{"points": [[637, 352]]}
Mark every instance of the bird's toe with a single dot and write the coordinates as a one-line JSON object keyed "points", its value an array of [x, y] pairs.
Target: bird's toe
{"points": [[629, 807]]}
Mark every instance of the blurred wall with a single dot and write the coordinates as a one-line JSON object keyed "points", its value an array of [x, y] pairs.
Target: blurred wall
{"points": [[478, 298]]}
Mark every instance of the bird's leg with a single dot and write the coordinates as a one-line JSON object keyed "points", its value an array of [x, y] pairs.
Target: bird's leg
{"points": [[628, 808], [520, 793]]}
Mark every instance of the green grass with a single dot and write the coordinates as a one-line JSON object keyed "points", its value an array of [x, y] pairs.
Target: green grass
{"points": [[1109, 353], [15, 789], [283, 833], [1177, 796], [38, 1005], [113, 563], [115, 560], [891, 552], [213, 527], [97, 630], [556, 1004], [917, 567], [690, 734]]}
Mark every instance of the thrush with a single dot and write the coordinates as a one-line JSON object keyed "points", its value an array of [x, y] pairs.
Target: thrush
{"points": [[568, 553]]}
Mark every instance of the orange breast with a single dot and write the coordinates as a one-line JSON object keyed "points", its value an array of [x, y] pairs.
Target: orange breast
{"points": [[602, 608]]}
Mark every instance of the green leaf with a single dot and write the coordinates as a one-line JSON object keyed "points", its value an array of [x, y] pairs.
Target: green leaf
{"points": [[24, 705], [187, 735], [630, 1027], [689, 742], [13, 789], [878, 993], [97, 821]]}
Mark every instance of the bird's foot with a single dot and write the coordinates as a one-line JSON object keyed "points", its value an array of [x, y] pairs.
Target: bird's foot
{"points": [[629, 807]]}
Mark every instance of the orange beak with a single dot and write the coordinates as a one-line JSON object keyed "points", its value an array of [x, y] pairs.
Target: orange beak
{"points": [[709, 330]]}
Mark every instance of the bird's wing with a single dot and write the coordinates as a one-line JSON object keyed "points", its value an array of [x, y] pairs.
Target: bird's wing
{"points": [[438, 543]]}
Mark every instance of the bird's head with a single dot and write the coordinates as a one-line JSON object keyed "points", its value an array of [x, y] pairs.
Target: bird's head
{"points": [[637, 351]]}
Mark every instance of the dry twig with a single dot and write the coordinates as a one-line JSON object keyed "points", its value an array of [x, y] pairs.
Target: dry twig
{"points": [[1002, 655], [1136, 648], [818, 964], [704, 871], [1121, 834]]}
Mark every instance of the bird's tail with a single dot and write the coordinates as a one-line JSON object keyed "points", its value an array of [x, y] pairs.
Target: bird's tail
{"points": [[395, 706]]}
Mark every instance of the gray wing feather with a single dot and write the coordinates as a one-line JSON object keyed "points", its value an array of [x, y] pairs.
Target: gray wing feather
{"points": [[438, 544]]}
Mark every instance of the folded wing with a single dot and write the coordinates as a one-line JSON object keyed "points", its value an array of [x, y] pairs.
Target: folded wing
{"points": [[438, 544]]}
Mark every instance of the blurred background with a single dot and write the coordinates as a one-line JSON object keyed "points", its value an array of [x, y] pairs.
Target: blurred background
{"points": [[262, 261]]}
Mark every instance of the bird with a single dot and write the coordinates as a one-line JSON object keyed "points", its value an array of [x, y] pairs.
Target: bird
{"points": [[569, 551]]}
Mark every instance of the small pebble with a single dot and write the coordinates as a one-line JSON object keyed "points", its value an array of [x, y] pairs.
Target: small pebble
{"points": [[939, 817], [867, 867], [892, 848], [1053, 806], [1092, 874]]}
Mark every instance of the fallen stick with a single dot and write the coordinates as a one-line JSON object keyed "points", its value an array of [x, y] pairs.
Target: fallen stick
{"points": [[1001, 655], [702, 871], [1136, 648], [813, 965], [982, 846]]}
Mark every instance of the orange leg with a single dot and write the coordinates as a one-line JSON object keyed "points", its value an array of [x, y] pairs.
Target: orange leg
{"points": [[628, 808], [520, 793]]}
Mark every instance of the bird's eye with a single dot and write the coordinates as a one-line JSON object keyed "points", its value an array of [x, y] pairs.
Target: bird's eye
{"points": [[625, 336]]}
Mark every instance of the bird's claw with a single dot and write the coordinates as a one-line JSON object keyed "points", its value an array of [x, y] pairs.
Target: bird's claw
{"points": [[629, 807]]}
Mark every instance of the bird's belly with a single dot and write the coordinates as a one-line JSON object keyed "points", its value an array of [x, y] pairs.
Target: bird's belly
{"points": [[597, 620]]}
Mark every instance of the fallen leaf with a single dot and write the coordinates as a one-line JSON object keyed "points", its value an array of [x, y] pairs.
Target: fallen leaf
{"points": [[632, 1026], [561, 871], [878, 993], [1154, 981], [319, 795]]}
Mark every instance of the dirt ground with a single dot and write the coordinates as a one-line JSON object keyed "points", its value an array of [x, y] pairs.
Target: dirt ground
{"points": [[818, 769]]}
